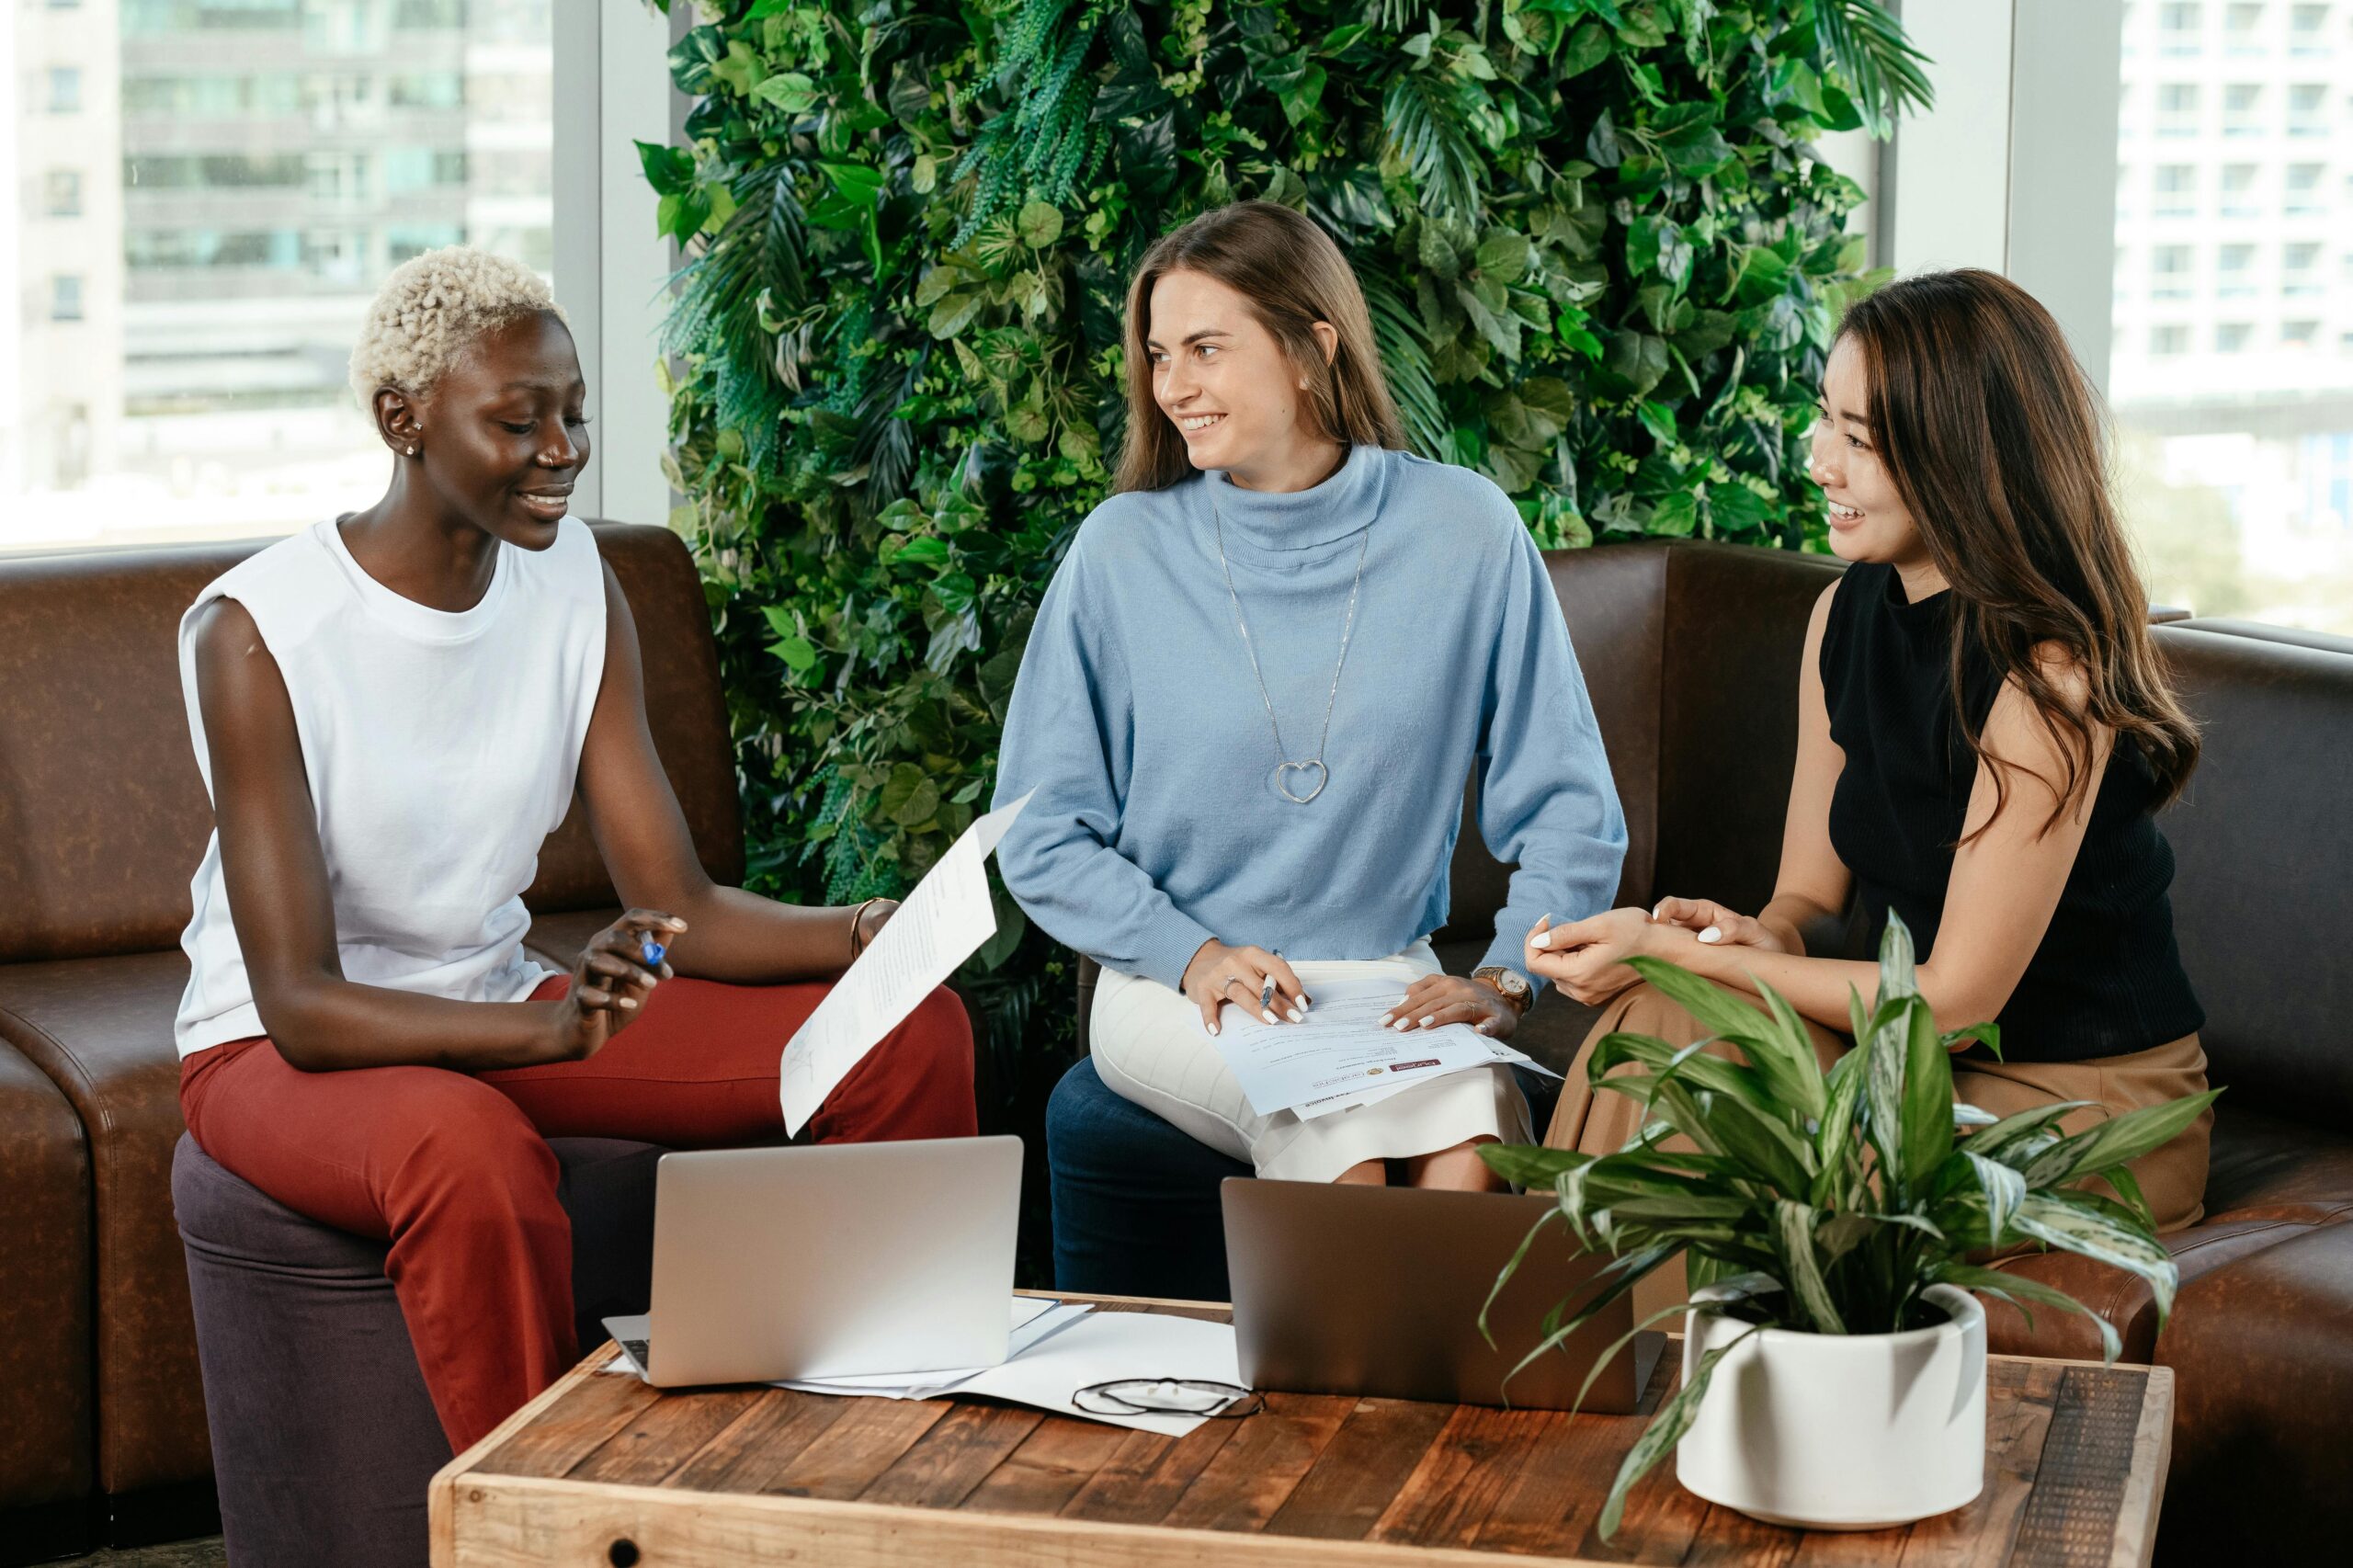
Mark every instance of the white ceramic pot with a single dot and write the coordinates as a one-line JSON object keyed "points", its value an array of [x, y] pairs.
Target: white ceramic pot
{"points": [[1831, 1431]]}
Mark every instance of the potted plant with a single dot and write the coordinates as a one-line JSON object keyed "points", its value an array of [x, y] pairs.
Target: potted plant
{"points": [[1832, 1225]]}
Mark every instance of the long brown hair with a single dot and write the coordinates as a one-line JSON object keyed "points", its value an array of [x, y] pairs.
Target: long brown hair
{"points": [[1994, 438], [1294, 276]]}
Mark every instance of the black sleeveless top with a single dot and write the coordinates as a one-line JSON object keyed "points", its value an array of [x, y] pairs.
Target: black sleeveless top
{"points": [[2107, 979]]}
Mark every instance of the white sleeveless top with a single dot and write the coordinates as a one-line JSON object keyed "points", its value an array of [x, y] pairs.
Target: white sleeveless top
{"points": [[442, 751]]}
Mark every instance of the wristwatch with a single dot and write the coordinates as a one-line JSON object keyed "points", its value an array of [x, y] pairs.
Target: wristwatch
{"points": [[1510, 984]]}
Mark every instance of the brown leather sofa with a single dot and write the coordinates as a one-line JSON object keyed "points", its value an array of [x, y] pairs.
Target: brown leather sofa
{"points": [[103, 818]]}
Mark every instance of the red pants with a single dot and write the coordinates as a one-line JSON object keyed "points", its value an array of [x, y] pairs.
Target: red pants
{"points": [[454, 1168]]}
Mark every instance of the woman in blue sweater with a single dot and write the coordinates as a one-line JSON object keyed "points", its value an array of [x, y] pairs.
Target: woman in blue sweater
{"points": [[1252, 696]]}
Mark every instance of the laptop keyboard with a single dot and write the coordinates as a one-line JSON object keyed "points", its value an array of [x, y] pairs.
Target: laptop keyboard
{"points": [[640, 1351]]}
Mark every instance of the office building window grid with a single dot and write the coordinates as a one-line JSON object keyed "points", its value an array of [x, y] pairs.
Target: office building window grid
{"points": [[2232, 358], [210, 190]]}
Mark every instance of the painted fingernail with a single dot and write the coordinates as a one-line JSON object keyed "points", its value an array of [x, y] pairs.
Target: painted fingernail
{"points": [[1542, 939], [1428, 1021], [1269, 1014], [628, 1001], [1713, 933], [1212, 1028], [1298, 1016], [1399, 1025]]}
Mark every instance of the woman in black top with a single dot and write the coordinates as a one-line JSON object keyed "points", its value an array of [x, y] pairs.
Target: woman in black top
{"points": [[1983, 734]]}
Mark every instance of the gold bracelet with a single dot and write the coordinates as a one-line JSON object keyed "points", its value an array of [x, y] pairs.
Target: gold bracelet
{"points": [[857, 919]]}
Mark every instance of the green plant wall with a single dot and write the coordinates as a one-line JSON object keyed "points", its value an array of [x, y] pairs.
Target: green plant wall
{"points": [[1603, 262]]}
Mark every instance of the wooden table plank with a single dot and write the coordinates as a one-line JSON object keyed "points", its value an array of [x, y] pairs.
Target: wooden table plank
{"points": [[1052, 1466], [2070, 1519], [1464, 1474], [843, 1460], [1729, 1539], [1147, 1473], [953, 1457], [2019, 1396], [662, 1436], [749, 1455], [1254, 1472], [574, 1427], [1375, 1450]]}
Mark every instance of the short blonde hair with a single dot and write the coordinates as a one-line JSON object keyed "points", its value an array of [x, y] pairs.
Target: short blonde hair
{"points": [[431, 310]]}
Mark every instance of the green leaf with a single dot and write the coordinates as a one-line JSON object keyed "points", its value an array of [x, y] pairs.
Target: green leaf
{"points": [[1587, 48], [1896, 961], [1503, 254], [2073, 1223], [2119, 1140], [1927, 1096], [2018, 1288], [669, 170], [1793, 1226], [1039, 224]]}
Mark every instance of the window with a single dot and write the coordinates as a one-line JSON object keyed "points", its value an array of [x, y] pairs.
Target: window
{"points": [[242, 175], [2238, 191], [2300, 266], [2299, 334], [2177, 109], [2169, 272], [2177, 20], [2306, 30], [2230, 338], [2240, 102], [2236, 265], [2303, 188], [2177, 190], [2241, 21], [2308, 108], [2171, 338]]}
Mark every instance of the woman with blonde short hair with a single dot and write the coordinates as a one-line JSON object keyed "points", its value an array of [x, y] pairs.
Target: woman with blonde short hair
{"points": [[1250, 702], [392, 710]]}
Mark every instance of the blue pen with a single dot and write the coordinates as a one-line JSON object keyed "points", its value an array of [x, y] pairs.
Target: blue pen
{"points": [[651, 952]]}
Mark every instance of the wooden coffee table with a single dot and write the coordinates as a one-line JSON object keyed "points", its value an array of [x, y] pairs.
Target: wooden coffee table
{"points": [[602, 1469]]}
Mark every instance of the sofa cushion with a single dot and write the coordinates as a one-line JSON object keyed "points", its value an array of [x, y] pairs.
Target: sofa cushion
{"points": [[101, 1029], [2269, 1169], [2264, 1378], [45, 1444], [102, 812], [2263, 864]]}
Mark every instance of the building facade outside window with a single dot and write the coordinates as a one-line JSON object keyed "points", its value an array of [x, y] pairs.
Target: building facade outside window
{"points": [[244, 173], [2231, 371]]}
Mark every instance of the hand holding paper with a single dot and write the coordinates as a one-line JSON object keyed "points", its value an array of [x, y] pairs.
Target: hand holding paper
{"points": [[940, 925]]}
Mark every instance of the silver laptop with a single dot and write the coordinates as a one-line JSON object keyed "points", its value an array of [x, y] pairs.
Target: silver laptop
{"points": [[1376, 1291], [829, 1261]]}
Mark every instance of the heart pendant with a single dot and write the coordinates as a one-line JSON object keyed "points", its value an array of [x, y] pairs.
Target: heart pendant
{"points": [[1282, 779]]}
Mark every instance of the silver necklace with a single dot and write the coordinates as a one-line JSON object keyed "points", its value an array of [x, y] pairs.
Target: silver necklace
{"points": [[1284, 766]]}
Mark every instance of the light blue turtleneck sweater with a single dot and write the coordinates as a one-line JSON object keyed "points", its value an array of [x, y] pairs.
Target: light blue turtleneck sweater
{"points": [[1157, 823]]}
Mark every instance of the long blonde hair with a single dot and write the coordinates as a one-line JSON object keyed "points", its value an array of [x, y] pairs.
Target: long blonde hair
{"points": [[1294, 277]]}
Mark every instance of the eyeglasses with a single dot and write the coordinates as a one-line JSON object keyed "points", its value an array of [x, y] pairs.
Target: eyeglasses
{"points": [[1169, 1396]]}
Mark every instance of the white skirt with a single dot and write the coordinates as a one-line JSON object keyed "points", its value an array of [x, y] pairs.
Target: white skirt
{"points": [[1149, 1048]]}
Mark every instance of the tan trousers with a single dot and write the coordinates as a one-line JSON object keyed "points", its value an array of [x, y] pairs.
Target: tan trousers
{"points": [[2173, 1178]]}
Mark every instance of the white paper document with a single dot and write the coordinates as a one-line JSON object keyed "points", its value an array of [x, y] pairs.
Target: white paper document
{"points": [[1343, 1056], [938, 926], [1058, 1348], [1105, 1347]]}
